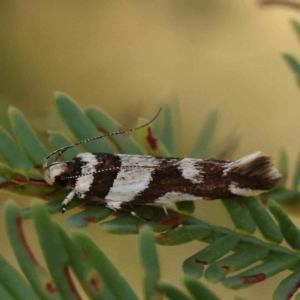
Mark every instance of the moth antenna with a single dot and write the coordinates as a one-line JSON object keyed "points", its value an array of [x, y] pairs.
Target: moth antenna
{"points": [[60, 151]]}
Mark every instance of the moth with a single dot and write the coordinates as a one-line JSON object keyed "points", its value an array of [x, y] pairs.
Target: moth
{"points": [[116, 180]]}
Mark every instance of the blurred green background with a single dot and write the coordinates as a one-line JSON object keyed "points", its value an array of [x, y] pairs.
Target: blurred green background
{"points": [[126, 56]]}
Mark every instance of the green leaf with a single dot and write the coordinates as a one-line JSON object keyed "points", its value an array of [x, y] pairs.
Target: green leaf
{"points": [[207, 132], [296, 27], [235, 262], [283, 165], [106, 124], [51, 242], [89, 215], [37, 188], [187, 207], [11, 175], [264, 221], [89, 279], [55, 205], [81, 126], [292, 62], [27, 138], [172, 292], [287, 287], [240, 214], [13, 284], [194, 265], [124, 224], [12, 154], [198, 290], [290, 232], [150, 263], [296, 178], [167, 134], [149, 141], [38, 277], [58, 141], [5, 294], [128, 224], [182, 234], [294, 65], [273, 265], [104, 267], [283, 194]]}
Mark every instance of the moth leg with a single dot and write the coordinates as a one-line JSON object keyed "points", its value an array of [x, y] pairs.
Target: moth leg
{"points": [[165, 210], [67, 200], [134, 214]]}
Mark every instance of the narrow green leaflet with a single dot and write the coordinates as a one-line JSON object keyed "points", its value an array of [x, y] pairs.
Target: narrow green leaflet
{"points": [[283, 165], [81, 126], [287, 287], [273, 265], [166, 126], [289, 230], [39, 189], [153, 216], [264, 221], [91, 214], [124, 224], [58, 140], [106, 124], [239, 260], [38, 276], [283, 194], [13, 284], [182, 234], [11, 175], [110, 275], [194, 265], [53, 206], [296, 179], [207, 132], [240, 214], [172, 292], [296, 27], [149, 141], [89, 279], [12, 154], [27, 138], [150, 263], [198, 290], [5, 294], [292, 62], [51, 242]]}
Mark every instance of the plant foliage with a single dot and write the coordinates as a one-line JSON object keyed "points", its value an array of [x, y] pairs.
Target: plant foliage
{"points": [[251, 259]]}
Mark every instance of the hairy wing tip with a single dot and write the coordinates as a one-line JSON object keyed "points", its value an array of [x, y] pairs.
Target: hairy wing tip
{"points": [[259, 166]]}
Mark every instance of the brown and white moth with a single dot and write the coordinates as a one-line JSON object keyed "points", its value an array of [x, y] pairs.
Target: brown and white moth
{"points": [[118, 179]]}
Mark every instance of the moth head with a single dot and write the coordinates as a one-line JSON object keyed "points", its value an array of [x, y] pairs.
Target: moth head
{"points": [[54, 171]]}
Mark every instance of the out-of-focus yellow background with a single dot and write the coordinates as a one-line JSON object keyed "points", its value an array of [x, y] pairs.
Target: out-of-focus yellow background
{"points": [[125, 56]]}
